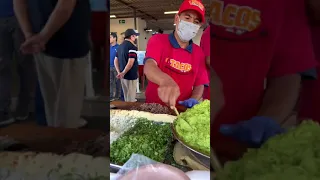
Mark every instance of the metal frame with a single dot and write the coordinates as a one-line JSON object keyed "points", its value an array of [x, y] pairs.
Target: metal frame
{"points": [[150, 10]]}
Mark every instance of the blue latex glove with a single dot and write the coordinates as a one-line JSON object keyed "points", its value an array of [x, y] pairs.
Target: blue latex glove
{"points": [[255, 131], [189, 103]]}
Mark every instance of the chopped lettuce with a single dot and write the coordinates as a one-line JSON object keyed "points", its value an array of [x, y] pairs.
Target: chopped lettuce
{"points": [[193, 127], [294, 155]]}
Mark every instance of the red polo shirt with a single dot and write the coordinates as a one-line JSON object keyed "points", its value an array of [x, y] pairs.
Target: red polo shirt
{"points": [[253, 40], [205, 45], [98, 28], [185, 66], [309, 107]]}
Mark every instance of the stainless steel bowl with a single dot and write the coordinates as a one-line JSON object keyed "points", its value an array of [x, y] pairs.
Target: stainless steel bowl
{"points": [[204, 158]]}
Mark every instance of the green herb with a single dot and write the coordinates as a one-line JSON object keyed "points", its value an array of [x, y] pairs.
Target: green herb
{"points": [[146, 138]]}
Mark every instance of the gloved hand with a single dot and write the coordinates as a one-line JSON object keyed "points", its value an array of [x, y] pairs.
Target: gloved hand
{"points": [[255, 131], [189, 103]]}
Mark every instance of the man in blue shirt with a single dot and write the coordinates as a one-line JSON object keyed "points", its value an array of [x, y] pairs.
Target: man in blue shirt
{"points": [[115, 89], [11, 38]]}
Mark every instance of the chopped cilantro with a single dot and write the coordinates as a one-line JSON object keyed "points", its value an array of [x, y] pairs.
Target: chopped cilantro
{"points": [[146, 138]]}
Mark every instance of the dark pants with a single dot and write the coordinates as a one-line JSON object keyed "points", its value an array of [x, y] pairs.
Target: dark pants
{"points": [[40, 109], [115, 85], [122, 95], [11, 38]]}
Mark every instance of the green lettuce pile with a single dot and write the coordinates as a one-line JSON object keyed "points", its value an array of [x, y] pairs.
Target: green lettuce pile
{"points": [[193, 127], [291, 156]]}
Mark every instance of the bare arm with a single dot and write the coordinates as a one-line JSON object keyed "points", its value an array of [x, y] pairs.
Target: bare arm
{"points": [[197, 92], [154, 74], [116, 65], [21, 13], [280, 97], [60, 15], [128, 66]]}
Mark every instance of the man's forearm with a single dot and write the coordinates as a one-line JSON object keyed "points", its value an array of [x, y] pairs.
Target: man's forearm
{"points": [[154, 74], [116, 65], [60, 15], [128, 66], [197, 92], [280, 97], [21, 13]]}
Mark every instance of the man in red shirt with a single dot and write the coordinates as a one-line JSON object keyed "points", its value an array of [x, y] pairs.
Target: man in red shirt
{"points": [[205, 45], [310, 95], [260, 51], [218, 102], [174, 65]]}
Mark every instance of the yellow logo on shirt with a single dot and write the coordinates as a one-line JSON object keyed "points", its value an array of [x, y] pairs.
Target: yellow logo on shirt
{"points": [[237, 19], [182, 67], [196, 3]]}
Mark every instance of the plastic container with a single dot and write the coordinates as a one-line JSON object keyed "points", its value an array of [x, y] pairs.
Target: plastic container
{"points": [[198, 175]]}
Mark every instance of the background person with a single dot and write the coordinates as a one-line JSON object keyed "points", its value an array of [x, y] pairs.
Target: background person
{"points": [[115, 84], [40, 112], [174, 65], [121, 39], [60, 45], [126, 64], [11, 38]]}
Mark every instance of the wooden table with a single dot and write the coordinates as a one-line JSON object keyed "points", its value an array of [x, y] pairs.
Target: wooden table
{"points": [[47, 139]]}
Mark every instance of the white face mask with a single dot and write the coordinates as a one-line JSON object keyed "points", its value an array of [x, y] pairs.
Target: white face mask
{"points": [[187, 30]]}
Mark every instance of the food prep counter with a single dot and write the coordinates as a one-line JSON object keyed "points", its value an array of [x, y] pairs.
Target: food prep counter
{"points": [[156, 114]]}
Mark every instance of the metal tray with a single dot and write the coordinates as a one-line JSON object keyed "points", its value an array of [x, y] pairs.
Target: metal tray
{"points": [[197, 153], [203, 160]]}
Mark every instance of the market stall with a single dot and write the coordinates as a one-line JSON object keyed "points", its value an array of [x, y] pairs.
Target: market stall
{"points": [[156, 132]]}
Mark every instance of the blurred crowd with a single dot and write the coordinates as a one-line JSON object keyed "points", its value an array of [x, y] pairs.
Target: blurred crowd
{"points": [[49, 41]]}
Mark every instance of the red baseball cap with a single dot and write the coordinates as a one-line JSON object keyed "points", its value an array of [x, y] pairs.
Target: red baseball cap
{"points": [[193, 5]]}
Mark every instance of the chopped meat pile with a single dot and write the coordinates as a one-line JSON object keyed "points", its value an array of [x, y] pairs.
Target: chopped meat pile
{"points": [[98, 147], [153, 108]]}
